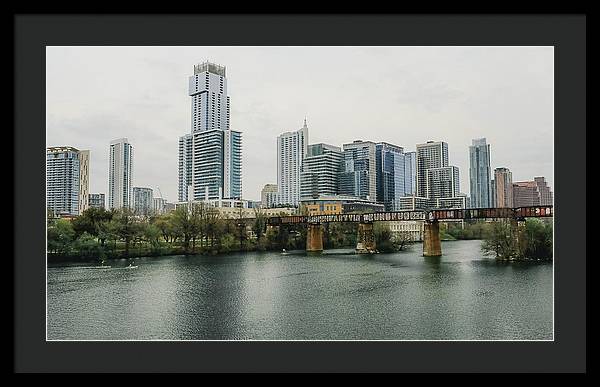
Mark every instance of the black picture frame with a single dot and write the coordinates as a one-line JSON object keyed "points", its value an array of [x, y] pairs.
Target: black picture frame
{"points": [[567, 33]]}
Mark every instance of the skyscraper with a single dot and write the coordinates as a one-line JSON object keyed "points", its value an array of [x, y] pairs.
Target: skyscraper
{"points": [[429, 155], [210, 157], [142, 201], [503, 188], [391, 183], [479, 173], [442, 182], [359, 177], [321, 171], [410, 173], [291, 150], [120, 174], [67, 180]]}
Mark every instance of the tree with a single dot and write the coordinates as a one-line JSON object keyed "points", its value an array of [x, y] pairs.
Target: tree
{"points": [[537, 240], [152, 235], [164, 223], [126, 227], [500, 240], [90, 220], [61, 236], [260, 222], [86, 245]]}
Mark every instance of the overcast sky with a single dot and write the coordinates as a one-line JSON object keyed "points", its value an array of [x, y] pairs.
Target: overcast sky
{"points": [[401, 95]]}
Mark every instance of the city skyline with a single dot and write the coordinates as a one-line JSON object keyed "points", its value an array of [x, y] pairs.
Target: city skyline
{"points": [[437, 102]]}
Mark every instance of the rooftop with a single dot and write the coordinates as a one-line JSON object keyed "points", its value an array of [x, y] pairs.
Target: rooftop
{"points": [[209, 67]]}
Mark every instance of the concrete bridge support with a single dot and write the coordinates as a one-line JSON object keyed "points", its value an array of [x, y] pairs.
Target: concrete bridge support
{"points": [[432, 246], [365, 241], [314, 237]]}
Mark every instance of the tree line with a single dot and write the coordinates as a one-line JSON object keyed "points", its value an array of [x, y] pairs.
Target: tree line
{"points": [[195, 229]]}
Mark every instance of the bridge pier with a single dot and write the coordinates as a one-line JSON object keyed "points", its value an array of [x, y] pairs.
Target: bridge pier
{"points": [[314, 237], [432, 246], [365, 241]]}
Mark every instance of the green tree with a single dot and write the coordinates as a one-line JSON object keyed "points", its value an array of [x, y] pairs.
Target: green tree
{"points": [[86, 245], [127, 227], [61, 236], [152, 235], [260, 223], [537, 240], [500, 240]]}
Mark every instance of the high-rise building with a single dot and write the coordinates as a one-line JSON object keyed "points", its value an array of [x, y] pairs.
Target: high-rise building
{"points": [[67, 180], [158, 206], [210, 157], [429, 155], [359, 178], [321, 170], [503, 188], [390, 165], [96, 200], [410, 173], [84, 180], [185, 167], [492, 193], [532, 193], [120, 174], [291, 150], [479, 173], [442, 182], [142, 201], [268, 196]]}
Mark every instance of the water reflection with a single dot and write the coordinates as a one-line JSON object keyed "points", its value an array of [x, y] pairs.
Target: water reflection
{"points": [[334, 295]]}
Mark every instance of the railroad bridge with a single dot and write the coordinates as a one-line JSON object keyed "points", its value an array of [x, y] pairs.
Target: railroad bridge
{"points": [[431, 233]]}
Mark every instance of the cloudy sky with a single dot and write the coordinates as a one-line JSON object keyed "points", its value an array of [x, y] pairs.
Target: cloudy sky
{"points": [[401, 95]]}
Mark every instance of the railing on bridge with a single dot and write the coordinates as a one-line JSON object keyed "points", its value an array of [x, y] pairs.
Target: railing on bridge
{"points": [[438, 214], [491, 213]]}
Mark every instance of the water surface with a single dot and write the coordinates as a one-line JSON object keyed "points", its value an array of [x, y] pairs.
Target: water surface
{"points": [[336, 295]]}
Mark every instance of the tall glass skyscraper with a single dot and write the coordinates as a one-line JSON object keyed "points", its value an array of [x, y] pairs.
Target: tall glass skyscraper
{"points": [[291, 151], [359, 178], [120, 174], [210, 157], [410, 173], [479, 174], [390, 164]]}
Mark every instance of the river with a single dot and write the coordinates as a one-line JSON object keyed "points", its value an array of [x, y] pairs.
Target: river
{"points": [[334, 296]]}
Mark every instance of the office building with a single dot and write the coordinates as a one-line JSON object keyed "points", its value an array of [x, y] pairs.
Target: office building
{"points": [[359, 178], [291, 150], [410, 173], [429, 155], [479, 173], [158, 206], [321, 170], [143, 203], [503, 188], [442, 182], [67, 180], [96, 200], [268, 196], [532, 193], [210, 157], [390, 165], [120, 174]]}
